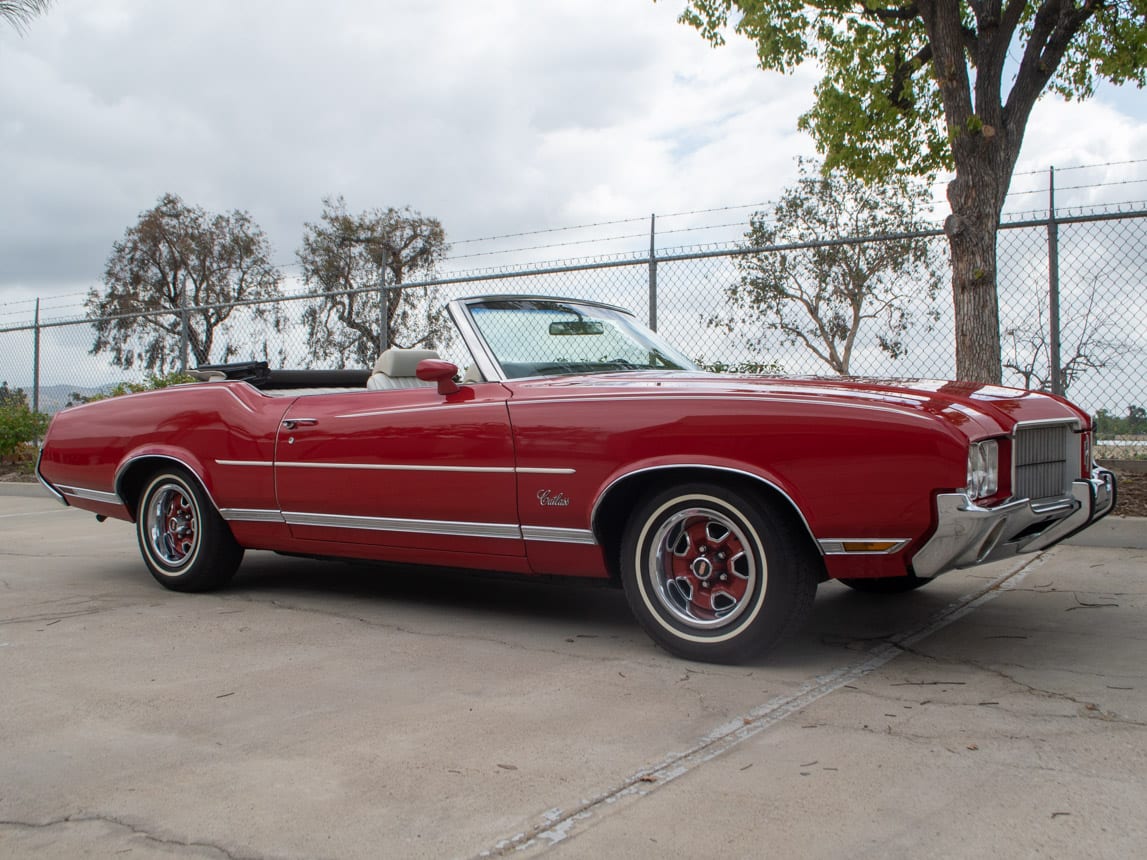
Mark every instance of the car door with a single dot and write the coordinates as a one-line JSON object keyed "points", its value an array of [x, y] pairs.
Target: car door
{"points": [[406, 468]]}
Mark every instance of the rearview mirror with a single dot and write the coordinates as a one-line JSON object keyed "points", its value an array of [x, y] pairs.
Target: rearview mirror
{"points": [[577, 327]]}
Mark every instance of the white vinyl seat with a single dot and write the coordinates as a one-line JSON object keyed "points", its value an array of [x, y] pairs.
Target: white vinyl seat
{"points": [[207, 375], [396, 368]]}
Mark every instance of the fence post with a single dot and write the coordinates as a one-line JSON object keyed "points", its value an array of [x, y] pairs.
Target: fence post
{"points": [[36, 361], [1053, 288], [653, 272]]}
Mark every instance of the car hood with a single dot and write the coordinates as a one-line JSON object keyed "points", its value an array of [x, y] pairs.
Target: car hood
{"points": [[979, 409]]}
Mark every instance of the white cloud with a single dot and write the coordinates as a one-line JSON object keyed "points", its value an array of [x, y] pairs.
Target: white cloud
{"points": [[497, 117]]}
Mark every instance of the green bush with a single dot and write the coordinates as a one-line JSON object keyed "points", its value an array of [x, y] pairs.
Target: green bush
{"points": [[1110, 426], [19, 427]]}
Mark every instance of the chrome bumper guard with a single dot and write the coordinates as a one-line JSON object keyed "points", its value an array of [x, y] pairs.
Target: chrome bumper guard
{"points": [[967, 534]]}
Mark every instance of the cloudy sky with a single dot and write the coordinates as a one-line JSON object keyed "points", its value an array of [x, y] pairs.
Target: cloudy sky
{"points": [[500, 117]]}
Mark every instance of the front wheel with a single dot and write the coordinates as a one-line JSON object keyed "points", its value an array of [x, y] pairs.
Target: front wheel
{"points": [[715, 574], [184, 542]]}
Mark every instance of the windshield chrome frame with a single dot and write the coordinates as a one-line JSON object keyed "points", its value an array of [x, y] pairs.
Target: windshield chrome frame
{"points": [[459, 310]]}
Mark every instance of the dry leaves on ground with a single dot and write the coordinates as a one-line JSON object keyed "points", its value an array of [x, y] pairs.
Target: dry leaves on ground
{"points": [[1131, 498]]}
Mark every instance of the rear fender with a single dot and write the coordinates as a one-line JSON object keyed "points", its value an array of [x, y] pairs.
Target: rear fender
{"points": [[132, 471]]}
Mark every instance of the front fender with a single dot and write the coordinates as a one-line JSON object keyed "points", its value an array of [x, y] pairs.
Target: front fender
{"points": [[695, 469]]}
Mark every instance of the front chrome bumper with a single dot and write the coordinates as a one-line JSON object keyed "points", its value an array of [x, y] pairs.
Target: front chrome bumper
{"points": [[967, 535]]}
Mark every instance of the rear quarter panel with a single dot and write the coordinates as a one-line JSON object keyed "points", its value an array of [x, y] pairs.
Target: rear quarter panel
{"points": [[198, 425]]}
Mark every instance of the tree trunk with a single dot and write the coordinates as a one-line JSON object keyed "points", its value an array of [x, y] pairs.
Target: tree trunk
{"points": [[972, 239], [985, 144], [976, 195]]}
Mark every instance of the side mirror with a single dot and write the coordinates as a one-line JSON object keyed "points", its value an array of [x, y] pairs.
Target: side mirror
{"points": [[437, 370]]}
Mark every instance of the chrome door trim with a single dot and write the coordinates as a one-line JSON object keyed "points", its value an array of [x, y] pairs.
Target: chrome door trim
{"points": [[550, 534], [498, 531]]}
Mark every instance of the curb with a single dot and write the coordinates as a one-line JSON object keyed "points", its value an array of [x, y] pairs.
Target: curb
{"points": [[24, 488]]}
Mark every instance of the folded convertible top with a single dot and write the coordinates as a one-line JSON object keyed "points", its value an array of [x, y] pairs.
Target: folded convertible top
{"points": [[260, 375]]}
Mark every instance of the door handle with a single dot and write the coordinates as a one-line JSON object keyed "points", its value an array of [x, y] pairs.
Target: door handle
{"points": [[292, 423]]}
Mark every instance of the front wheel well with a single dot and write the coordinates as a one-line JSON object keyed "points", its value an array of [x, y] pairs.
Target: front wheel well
{"points": [[622, 498]]}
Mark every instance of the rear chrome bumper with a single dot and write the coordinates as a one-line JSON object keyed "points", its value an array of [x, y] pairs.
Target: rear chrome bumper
{"points": [[59, 497], [967, 535]]}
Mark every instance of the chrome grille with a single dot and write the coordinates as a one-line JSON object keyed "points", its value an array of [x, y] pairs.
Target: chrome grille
{"points": [[1041, 457]]}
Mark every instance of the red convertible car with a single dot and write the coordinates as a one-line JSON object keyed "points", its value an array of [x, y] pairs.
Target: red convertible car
{"points": [[577, 443]]}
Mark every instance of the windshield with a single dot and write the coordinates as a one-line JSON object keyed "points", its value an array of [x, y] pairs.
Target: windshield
{"points": [[538, 337]]}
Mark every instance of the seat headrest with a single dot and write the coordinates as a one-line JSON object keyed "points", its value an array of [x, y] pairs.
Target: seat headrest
{"points": [[402, 362]]}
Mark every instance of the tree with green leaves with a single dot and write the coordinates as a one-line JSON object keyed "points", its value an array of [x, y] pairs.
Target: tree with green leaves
{"points": [[173, 283], [19, 12], [823, 294], [1108, 426], [350, 261], [12, 397], [919, 86], [19, 425]]}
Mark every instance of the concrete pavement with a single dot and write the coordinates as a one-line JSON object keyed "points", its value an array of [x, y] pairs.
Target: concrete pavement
{"points": [[327, 710]]}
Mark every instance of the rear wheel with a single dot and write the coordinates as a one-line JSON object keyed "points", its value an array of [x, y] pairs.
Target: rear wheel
{"points": [[716, 574], [184, 542]]}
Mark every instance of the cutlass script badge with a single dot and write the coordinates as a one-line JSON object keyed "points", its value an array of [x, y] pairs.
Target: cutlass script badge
{"points": [[550, 499]]}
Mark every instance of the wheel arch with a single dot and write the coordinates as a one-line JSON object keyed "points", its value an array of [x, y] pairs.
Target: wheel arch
{"points": [[610, 511], [133, 474]]}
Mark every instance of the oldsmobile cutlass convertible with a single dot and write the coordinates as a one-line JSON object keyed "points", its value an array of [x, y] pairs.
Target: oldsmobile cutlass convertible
{"points": [[577, 443]]}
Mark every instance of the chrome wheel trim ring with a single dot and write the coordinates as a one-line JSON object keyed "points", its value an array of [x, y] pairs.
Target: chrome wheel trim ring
{"points": [[171, 527], [685, 574]]}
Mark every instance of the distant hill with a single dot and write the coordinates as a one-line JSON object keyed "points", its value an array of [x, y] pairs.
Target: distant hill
{"points": [[53, 398]]}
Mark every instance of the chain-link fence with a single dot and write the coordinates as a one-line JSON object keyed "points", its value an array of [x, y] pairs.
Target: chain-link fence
{"points": [[1094, 267]]}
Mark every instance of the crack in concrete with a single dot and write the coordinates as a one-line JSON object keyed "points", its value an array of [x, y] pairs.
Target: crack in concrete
{"points": [[71, 606], [131, 828], [1050, 588], [57, 616], [914, 708], [1091, 710]]}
